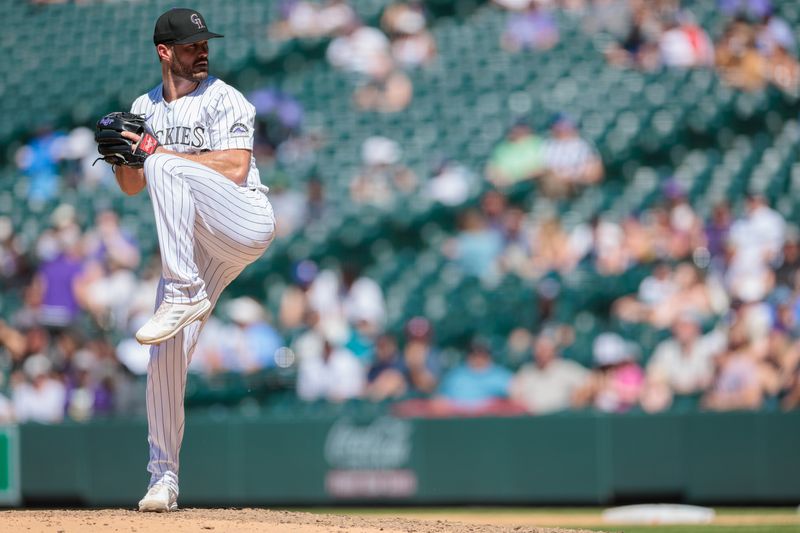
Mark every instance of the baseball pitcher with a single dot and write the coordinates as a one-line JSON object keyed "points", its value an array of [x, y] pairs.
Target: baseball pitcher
{"points": [[188, 141]]}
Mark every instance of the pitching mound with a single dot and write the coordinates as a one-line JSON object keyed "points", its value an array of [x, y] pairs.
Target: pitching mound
{"points": [[235, 520]]}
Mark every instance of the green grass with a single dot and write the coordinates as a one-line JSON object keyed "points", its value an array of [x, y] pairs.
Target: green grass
{"points": [[529, 512], [786, 528], [721, 511]]}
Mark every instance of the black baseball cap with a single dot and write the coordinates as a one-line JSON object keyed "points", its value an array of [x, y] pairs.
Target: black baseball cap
{"points": [[181, 26]]}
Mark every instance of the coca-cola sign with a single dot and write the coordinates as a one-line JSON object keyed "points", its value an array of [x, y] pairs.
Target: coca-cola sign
{"points": [[384, 443]]}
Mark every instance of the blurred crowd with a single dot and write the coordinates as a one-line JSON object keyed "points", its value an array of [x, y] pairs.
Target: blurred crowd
{"points": [[722, 293], [377, 58], [756, 47]]}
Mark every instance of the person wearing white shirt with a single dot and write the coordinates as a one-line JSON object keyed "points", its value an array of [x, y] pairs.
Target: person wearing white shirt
{"points": [[40, 398], [548, 384], [336, 376]]}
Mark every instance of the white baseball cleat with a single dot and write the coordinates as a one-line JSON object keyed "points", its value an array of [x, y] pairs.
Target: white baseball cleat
{"points": [[160, 498], [169, 319]]}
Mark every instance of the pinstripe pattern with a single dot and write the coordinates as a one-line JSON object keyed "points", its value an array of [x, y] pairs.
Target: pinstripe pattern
{"points": [[215, 116], [209, 229]]}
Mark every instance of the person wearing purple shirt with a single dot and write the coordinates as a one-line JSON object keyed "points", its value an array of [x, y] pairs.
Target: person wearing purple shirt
{"points": [[717, 229], [533, 29], [752, 8], [57, 277]]}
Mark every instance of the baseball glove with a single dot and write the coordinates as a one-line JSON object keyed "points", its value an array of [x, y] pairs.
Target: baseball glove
{"points": [[116, 149]]}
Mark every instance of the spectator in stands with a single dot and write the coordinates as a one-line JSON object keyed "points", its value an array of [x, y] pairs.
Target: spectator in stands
{"points": [[571, 161], [682, 364], [494, 205], [91, 385], [405, 24], [717, 229], [348, 298], [141, 302], [784, 71], [388, 90], [57, 278], [299, 151], [14, 344], [107, 283], [638, 242], [78, 154], [603, 242], [683, 231], [520, 156], [639, 47], [663, 297], [309, 341], [37, 394], [551, 248], [549, 383], [736, 384], [685, 44], [385, 376], [336, 376], [791, 399], [775, 33], [420, 363], [617, 382], [383, 176], [318, 208], [289, 205], [14, 265], [751, 55], [359, 49], [450, 183], [6, 407], [302, 19], [530, 28], [738, 59], [609, 16], [38, 160], [251, 342], [755, 243], [135, 357], [517, 237], [294, 300], [746, 9], [779, 365], [476, 248], [788, 263], [476, 383], [279, 116]]}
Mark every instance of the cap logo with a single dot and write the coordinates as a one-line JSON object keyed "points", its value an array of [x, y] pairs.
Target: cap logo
{"points": [[195, 18]]}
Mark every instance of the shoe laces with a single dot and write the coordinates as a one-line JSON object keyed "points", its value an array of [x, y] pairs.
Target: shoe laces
{"points": [[155, 488], [167, 314], [162, 310]]}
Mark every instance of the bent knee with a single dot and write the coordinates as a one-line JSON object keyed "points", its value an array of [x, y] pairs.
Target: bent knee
{"points": [[157, 165]]}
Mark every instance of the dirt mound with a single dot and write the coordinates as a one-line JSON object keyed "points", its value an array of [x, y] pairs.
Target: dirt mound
{"points": [[236, 521]]}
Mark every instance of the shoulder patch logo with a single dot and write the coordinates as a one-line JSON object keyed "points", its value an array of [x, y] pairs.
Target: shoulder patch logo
{"points": [[239, 129]]}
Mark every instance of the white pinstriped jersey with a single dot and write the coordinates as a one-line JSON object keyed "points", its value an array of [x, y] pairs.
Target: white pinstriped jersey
{"points": [[215, 116]]}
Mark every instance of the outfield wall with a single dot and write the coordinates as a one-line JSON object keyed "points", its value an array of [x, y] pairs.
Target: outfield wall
{"points": [[564, 459]]}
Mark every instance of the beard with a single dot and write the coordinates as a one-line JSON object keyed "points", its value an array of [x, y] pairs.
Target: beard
{"points": [[190, 71]]}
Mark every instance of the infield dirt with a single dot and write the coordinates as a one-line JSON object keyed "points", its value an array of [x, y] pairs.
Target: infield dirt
{"points": [[237, 521]]}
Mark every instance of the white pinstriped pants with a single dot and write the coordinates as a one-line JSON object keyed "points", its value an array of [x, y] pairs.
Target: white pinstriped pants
{"points": [[209, 229]]}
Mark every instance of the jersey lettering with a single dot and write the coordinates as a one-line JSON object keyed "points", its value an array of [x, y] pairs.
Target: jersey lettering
{"points": [[182, 135], [199, 137], [213, 117]]}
